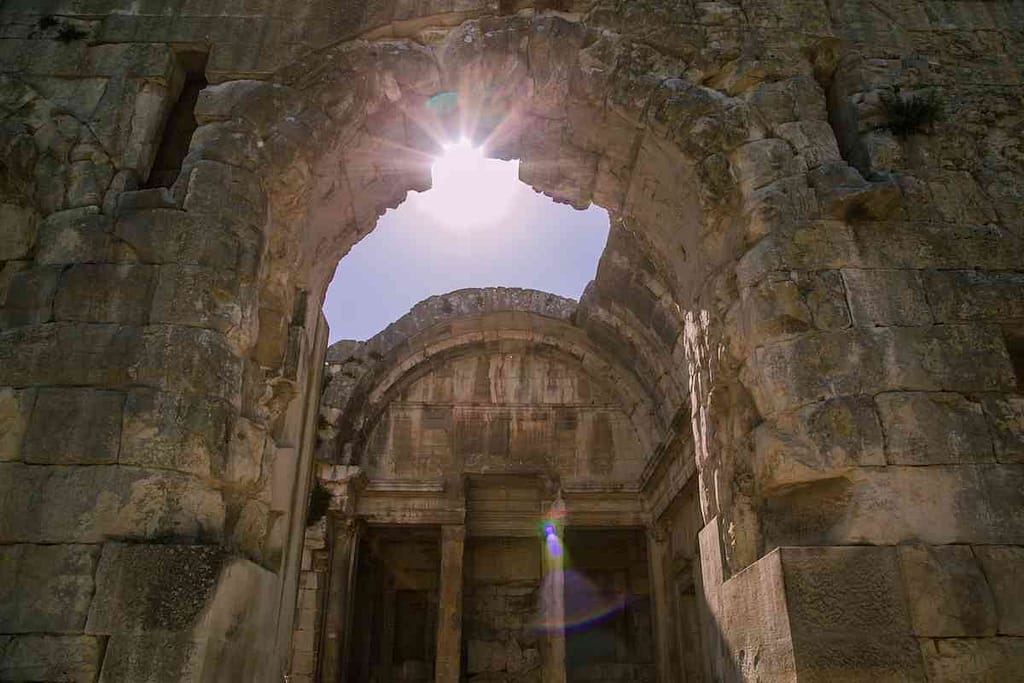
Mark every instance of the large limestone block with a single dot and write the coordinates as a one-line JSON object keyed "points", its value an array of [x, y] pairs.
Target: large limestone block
{"points": [[815, 141], [175, 431], [29, 297], [189, 360], [937, 245], [886, 297], [966, 295], [232, 194], [1006, 419], [77, 236], [72, 426], [69, 353], [15, 408], [817, 366], [1004, 569], [933, 429], [142, 587], [819, 441], [91, 503], [973, 659], [69, 659], [947, 591], [18, 225], [761, 162], [105, 293], [753, 620], [939, 504], [180, 612], [847, 613], [172, 236], [46, 588], [197, 296], [805, 246]]}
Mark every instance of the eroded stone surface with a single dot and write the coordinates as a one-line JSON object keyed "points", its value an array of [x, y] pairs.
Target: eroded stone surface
{"points": [[805, 329]]}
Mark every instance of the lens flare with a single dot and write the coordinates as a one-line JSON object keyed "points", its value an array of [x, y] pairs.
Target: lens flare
{"points": [[469, 191], [571, 602]]}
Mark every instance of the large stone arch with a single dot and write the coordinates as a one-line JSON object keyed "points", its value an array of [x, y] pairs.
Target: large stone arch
{"points": [[822, 380], [372, 373]]}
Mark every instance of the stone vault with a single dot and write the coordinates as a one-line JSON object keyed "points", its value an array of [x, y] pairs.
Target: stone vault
{"points": [[808, 322]]}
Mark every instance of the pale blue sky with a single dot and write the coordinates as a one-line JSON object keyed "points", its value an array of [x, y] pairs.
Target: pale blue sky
{"points": [[477, 227]]}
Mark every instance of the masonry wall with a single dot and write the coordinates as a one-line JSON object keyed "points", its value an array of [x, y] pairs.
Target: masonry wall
{"points": [[851, 336], [511, 410]]}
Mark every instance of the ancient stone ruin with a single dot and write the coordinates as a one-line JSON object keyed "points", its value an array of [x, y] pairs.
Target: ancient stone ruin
{"points": [[779, 438]]}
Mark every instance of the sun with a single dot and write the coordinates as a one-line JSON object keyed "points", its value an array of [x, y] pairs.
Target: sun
{"points": [[469, 190]]}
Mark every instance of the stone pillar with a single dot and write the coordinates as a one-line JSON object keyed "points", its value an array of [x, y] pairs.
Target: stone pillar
{"points": [[553, 597], [657, 567], [345, 533], [449, 611]]}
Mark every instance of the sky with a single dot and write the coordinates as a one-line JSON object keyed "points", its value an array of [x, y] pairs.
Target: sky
{"points": [[478, 226]]}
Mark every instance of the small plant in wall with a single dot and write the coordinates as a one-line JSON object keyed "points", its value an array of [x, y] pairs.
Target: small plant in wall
{"points": [[908, 114], [319, 503]]}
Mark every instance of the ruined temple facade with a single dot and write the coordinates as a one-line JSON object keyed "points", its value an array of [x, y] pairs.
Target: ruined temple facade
{"points": [[779, 438]]}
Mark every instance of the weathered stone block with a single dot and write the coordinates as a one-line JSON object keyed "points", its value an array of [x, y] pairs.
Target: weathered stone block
{"points": [[15, 408], [105, 293], [233, 194], [143, 587], [30, 295], [816, 366], [190, 360], [46, 588], [246, 445], [933, 429], [847, 614], [171, 236], [234, 143], [77, 236], [973, 659], [940, 504], [815, 141], [785, 202], [69, 353], [196, 615], [947, 591], [73, 659], [801, 246], [771, 310], [1004, 569], [152, 658], [966, 295], [175, 432], [72, 426], [825, 297], [18, 225], [197, 296], [817, 442], [937, 245], [98, 502], [1006, 419], [762, 162], [886, 297]]}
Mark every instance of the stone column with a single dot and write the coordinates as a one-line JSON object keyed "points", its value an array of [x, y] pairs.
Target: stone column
{"points": [[657, 561], [345, 533], [449, 609]]}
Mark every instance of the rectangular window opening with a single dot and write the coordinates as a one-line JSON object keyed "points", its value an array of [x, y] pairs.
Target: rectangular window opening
{"points": [[181, 120]]}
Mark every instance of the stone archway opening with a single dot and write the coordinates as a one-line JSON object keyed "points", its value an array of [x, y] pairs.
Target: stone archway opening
{"points": [[593, 119], [795, 346], [477, 226], [679, 165]]}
